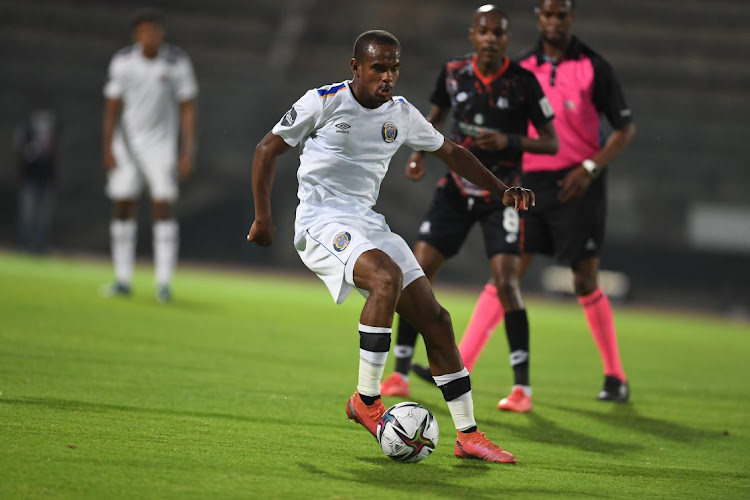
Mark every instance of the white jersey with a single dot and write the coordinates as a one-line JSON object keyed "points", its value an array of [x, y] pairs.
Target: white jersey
{"points": [[346, 150], [151, 90]]}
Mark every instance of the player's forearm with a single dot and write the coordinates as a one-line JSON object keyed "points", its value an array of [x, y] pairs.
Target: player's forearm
{"points": [[465, 164], [615, 144], [545, 144], [540, 146], [264, 168], [187, 114], [111, 114], [437, 116]]}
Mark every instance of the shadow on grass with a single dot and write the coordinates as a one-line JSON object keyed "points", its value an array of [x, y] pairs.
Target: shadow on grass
{"points": [[178, 304], [424, 480], [69, 405], [545, 430], [626, 416], [540, 429]]}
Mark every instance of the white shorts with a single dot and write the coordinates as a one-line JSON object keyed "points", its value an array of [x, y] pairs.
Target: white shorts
{"points": [[126, 181], [330, 250]]}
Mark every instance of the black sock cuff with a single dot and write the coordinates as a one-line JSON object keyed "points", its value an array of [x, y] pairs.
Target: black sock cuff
{"points": [[456, 388], [375, 342]]}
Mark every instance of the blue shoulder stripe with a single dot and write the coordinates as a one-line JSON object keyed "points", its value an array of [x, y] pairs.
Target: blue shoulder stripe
{"points": [[125, 50], [330, 91]]}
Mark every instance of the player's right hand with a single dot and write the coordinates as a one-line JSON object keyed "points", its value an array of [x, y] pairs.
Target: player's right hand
{"points": [[261, 233], [519, 198], [109, 160], [491, 141], [415, 166]]}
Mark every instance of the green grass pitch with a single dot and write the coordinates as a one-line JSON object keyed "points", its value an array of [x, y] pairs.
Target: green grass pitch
{"points": [[238, 388]]}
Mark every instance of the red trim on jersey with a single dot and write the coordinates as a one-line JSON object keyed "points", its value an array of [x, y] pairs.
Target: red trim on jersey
{"points": [[488, 79]]}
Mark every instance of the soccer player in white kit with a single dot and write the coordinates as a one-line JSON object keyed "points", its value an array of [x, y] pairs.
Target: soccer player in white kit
{"points": [[348, 133], [150, 95]]}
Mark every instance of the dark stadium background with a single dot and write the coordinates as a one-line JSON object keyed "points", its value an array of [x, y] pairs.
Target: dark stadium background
{"points": [[679, 210]]}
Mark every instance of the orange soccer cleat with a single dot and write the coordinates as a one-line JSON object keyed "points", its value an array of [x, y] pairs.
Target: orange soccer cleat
{"points": [[476, 445], [395, 385], [366, 416], [517, 401]]}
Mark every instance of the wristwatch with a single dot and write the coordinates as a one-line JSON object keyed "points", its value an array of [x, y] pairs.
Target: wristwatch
{"points": [[591, 168]]}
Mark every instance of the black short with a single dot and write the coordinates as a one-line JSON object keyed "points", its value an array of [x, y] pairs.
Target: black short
{"points": [[452, 216], [568, 231]]}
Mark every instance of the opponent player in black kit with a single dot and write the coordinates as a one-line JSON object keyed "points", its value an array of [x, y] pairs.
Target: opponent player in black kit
{"points": [[492, 101]]}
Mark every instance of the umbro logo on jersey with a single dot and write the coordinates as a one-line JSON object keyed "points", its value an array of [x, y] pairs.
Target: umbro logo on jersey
{"points": [[590, 244], [342, 128], [289, 117]]}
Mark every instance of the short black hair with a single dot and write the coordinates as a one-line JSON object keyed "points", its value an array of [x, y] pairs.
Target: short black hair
{"points": [[572, 3], [373, 37], [148, 15]]}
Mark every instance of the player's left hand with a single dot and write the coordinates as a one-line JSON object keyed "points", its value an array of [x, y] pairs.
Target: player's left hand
{"points": [[574, 185], [261, 233], [185, 166], [491, 141], [519, 198]]}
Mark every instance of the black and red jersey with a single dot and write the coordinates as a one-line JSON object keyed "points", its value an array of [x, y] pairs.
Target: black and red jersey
{"points": [[505, 102]]}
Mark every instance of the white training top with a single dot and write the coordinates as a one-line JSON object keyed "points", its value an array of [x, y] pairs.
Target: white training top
{"points": [[151, 90], [346, 149]]}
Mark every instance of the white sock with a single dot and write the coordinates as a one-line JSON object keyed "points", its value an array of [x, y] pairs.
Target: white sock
{"points": [[166, 243], [462, 411], [526, 389], [122, 235], [372, 363], [370, 373], [462, 407]]}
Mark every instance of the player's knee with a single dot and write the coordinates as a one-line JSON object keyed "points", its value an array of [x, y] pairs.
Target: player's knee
{"points": [[507, 286], [584, 284], [439, 320], [123, 209], [387, 280], [162, 210]]}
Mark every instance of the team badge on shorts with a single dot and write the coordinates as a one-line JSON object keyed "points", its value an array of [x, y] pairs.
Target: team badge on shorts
{"points": [[341, 241], [389, 132]]}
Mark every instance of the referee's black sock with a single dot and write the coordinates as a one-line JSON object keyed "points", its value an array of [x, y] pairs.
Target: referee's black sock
{"points": [[406, 338], [517, 331]]}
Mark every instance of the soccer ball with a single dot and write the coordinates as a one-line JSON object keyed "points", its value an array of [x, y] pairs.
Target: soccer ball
{"points": [[408, 432]]}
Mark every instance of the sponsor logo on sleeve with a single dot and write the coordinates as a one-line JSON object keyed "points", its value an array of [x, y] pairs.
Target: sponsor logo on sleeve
{"points": [[546, 107], [289, 117]]}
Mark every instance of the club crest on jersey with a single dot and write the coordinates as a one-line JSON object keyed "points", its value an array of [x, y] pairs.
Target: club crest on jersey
{"points": [[289, 117], [341, 241], [389, 132]]}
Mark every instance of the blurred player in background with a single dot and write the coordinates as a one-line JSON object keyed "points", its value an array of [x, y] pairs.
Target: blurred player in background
{"points": [[36, 143], [569, 217], [150, 96], [492, 101], [348, 133]]}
